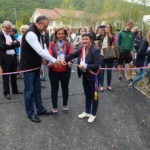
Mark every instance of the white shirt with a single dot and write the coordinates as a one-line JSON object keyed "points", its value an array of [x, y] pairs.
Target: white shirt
{"points": [[8, 41], [32, 40], [104, 45]]}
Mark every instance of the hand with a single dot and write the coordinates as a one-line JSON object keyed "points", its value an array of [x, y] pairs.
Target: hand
{"points": [[43, 62], [69, 64], [81, 67], [41, 72], [60, 63], [50, 65], [9, 44], [132, 54], [63, 62]]}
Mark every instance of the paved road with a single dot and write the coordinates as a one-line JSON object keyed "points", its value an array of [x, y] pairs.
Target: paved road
{"points": [[123, 122]]}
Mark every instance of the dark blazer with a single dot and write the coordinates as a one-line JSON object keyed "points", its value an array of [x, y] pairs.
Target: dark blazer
{"points": [[141, 53], [93, 60], [4, 47], [110, 39]]}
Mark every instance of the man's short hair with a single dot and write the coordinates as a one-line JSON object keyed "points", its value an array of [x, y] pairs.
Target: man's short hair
{"points": [[6, 22], [41, 19], [130, 23]]}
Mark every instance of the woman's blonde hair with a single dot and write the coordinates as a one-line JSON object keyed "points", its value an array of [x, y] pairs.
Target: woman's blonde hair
{"points": [[24, 27], [57, 30], [148, 37]]}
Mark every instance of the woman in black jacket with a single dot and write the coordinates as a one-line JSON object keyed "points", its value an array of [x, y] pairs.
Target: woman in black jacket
{"points": [[143, 51], [106, 41], [89, 61]]}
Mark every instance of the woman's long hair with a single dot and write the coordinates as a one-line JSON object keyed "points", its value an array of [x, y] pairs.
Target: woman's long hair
{"points": [[111, 30], [148, 37], [57, 30]]}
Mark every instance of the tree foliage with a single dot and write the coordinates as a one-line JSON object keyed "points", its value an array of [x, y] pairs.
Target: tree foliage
{"points": [[21, 10]]}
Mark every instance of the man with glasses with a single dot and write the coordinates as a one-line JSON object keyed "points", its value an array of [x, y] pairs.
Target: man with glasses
{"points": [[126, 44], [8, 59], [33, 49]]}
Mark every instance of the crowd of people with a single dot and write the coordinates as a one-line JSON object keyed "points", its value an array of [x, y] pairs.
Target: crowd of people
{"points": [[35, 49]]}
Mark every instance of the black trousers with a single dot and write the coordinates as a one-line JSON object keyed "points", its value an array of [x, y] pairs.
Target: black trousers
{"points": [[91, 105], [64, 78], [9, 65]]}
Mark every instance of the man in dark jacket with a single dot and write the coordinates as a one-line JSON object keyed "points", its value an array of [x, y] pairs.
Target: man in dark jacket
{"points": [[8, 58]]}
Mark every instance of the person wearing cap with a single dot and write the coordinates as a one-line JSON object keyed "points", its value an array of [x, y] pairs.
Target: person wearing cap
{"points": [[89, 62], [8, 59]]}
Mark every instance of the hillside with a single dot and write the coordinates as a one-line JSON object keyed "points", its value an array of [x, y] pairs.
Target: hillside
{"points": [[22, 9]]}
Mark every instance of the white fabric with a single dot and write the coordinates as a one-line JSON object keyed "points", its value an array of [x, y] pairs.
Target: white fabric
{"points": [[104, 45], [83, 63], [8, 41], [32, 39]]}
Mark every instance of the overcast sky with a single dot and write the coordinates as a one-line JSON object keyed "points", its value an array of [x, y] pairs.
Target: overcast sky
{"points": [[136, 1]]}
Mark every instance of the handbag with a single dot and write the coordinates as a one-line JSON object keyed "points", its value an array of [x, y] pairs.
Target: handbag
{"points": [[109, 52]]}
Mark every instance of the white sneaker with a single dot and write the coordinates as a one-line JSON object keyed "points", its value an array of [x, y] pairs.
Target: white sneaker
{"points": [[84, 115], [91, 119]]}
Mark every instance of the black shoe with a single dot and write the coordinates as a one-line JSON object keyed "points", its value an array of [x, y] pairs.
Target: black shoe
{"points": [[35, 118], [120, 78], [44, 113], [130, 80], [7, 96], [17, 92]]}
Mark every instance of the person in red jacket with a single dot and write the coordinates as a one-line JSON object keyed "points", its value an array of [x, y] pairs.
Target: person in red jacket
{"points": [[58, 48]]}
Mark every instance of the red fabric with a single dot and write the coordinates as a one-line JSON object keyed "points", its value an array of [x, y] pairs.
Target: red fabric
{"points": [[59, 68]]}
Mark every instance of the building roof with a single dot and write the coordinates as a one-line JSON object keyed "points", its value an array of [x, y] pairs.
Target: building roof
{"points": [[48, 13], [58, 12]]}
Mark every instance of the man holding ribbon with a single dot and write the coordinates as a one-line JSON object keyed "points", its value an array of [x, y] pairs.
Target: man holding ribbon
{"points": [[33, 50]]}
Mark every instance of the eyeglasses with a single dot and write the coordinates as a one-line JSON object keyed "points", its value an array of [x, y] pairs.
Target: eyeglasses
{"points": [[86, 33]]}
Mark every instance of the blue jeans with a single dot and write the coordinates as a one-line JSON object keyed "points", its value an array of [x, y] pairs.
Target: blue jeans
{"points": [[138, 78], [32, 92]]}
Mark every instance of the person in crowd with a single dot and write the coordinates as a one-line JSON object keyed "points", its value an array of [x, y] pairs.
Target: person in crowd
{"points": [[52, 35], [141, 60], [135, 31], [8, 59], [137, 41], [89, 62], [116, 47], [90, 29], [98, 31], [78, 40], [46, 40], [33, 50], [72, 35], [58, 49], [97, 44], [116, 37], [101, 34], [16, 35], [23, 28], [126, 44], [106, 42]]}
